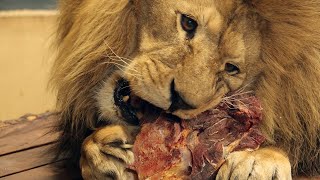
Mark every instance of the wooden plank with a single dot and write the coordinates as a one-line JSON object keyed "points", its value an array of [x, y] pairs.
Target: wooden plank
{"points": [[47, 172], [27, 132], [25, 160], [43, 173]]}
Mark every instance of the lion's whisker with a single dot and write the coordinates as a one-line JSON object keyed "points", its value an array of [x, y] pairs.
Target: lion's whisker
{"points": [[121, 58], [244, 87], [240, 94], [120, 67], [128, 67]]}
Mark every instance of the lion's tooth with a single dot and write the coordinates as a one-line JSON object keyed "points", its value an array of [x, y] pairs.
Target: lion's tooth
{"points": [[139, 115], [125, 98]]}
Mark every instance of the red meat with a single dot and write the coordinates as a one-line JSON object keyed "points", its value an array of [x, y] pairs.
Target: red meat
{"points": [[196, 148]]}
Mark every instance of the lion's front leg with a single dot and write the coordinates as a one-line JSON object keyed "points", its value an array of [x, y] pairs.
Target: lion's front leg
{"points": [[107, 153], [263, 164]]}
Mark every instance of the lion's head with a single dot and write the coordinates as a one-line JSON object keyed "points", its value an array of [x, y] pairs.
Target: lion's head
{"points": [[185, 56]]}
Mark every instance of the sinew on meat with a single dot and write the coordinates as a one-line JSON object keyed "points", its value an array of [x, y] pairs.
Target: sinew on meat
{"points": [[196, 148]]}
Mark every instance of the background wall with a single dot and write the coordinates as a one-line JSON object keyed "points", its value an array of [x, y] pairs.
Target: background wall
{"points": [[25, 58]]}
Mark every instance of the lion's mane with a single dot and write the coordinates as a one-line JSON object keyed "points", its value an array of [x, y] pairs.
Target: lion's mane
{"points": [[289, 87]]}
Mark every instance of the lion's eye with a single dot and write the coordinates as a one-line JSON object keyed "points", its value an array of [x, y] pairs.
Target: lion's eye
{"points": [[189, 25], [231, 69]]}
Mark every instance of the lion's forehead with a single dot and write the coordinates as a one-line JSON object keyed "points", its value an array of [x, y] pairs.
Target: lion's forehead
{"points": [[213, 14], [159, 26]]}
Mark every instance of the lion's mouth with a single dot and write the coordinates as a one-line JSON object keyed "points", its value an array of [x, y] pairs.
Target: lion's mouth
{"points": [[133, 108]]}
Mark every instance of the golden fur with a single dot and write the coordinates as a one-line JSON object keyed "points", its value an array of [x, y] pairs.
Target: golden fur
{"points": [[277, 43]]}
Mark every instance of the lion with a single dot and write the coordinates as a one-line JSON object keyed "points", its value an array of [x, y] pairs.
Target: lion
{"points": [[184, 57]]}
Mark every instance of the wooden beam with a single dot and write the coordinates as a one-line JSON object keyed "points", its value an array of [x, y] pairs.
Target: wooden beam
{"points": [[27, 132], [25, 160], [47, 172]]}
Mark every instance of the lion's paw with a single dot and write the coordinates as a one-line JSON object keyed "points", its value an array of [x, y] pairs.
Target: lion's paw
{"points": [[263, 164], [107, 153]]}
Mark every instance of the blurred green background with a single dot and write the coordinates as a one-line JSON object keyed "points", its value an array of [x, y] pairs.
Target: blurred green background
{"points": [[27, 4]]}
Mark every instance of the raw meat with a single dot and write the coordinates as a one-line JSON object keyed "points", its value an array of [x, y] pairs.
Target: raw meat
{"points": [[196, 148]]}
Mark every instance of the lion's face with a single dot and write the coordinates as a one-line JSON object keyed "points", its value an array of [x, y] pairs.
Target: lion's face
{"points": [[191, 54]]}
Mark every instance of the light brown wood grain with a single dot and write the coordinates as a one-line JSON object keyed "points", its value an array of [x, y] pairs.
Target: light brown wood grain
{"points": [[24, 160], [24, 133], [47, 172]]}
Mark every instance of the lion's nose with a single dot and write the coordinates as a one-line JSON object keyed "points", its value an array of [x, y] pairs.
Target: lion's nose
{"points": [[177, 101]]}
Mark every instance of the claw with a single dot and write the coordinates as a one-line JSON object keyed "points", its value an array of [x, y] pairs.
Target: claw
{"points": [[107, 153]]}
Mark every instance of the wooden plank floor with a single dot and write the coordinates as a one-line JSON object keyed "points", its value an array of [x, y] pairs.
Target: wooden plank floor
{"points": [[24, 145], [23, 149]]}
